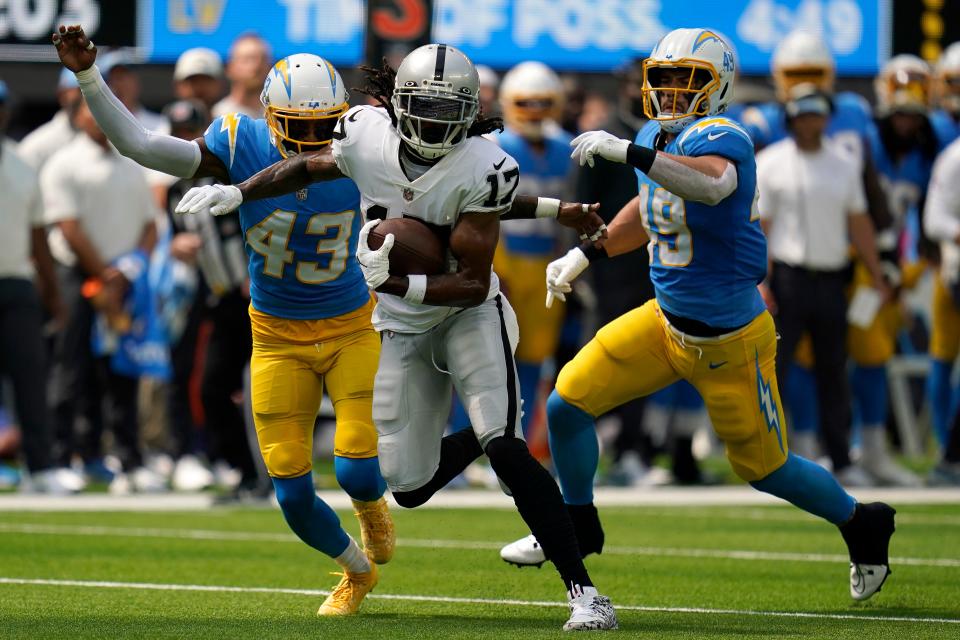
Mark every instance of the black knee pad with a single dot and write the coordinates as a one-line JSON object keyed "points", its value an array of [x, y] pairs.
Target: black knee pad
{"points": [[414, 498]]}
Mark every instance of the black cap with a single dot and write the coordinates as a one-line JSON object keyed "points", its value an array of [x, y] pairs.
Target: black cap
{"points": [[190, 114]]}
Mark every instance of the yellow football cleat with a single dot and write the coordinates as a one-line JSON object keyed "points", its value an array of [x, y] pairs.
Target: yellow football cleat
{"points": [[376, 529], [346, 597]]}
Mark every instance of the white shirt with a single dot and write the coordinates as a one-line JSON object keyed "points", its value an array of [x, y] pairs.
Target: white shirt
{"points": [[106, 192], [366, 147], [941, 215], [22, 209], [41, 143], [807, 198]]}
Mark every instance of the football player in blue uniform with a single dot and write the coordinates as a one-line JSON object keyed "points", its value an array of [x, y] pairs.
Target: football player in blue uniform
{"points": [[310, 307], [696, 210], [531, 99], [903, 146]]}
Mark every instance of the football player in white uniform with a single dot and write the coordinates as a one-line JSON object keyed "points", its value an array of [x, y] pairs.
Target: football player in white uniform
{"points": [[422, 156]]}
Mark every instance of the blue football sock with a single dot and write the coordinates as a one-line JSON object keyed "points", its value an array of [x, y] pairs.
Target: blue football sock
{"points": [[574, 448], [360, 477], [802, 399], [941, 398], [809, 486], [529, 376], [870, 394], [309, 517]]}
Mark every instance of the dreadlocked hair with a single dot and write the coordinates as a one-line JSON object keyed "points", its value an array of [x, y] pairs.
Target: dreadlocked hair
{"points": [[379, 86]]}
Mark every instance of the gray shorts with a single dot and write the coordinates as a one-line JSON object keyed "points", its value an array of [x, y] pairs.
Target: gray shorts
{"points": [[471, 352]]}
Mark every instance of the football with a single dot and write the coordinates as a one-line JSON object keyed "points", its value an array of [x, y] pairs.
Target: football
{"points": [[416, 248]]}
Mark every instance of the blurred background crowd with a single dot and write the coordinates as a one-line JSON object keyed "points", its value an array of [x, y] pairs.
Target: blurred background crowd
{"points": [[124, 333]]}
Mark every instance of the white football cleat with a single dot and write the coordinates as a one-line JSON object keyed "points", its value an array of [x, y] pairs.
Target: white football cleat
{"points": [[867, 535], [866, 579], [590, 611], [525, 552]]}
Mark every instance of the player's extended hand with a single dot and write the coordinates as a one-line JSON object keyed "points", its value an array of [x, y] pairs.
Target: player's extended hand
{"points": [[599, 143], [584, 219], [220, 199], [75, 49], [561, 272], [375, 264]]}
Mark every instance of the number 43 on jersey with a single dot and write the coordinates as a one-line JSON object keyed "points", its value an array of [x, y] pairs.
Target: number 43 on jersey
{"points": [[271, 239]]}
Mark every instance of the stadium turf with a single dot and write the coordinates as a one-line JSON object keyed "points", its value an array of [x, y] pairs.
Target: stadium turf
{"points": [[757, 572]]}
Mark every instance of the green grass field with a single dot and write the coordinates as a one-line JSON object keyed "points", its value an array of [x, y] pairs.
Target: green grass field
{"points": [[749, 572]]}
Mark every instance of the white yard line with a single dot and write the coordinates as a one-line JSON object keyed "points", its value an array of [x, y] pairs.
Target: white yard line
{"points": [[254, 536], [96, 584], [478, 499]]}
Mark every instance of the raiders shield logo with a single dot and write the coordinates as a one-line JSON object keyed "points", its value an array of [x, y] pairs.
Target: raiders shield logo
{"points": [[408, 194], [302, 194]]}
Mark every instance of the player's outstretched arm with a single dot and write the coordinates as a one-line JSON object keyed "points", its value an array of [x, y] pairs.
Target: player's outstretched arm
{"points": [[582, 218], [288, 175], [625, 234], [181, 158], [707, 178], [473, 241]]}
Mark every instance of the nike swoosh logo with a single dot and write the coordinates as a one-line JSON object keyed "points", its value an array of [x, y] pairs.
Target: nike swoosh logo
{"points": [[500, 164], [717, 365], [714, 136], [353, 117]]}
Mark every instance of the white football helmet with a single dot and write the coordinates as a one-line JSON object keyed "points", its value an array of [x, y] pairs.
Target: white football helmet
{"points": [[435, 99], [802, 58], [903, 86], [303, 96], [947, 79], [710, 67], [531, 94]]}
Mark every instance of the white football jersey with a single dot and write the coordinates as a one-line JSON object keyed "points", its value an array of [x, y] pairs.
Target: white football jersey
{"points": [[475, 177]]}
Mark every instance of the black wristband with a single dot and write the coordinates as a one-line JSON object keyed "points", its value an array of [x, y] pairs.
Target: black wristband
{"points": [[640, 157], [592, 252]]}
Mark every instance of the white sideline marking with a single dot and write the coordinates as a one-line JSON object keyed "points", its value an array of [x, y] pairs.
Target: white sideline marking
{"points": [[480, 499], [254, 536], [95, 584]]}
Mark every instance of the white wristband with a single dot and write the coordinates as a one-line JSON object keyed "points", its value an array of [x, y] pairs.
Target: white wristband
{"points": [[547, 207], [416, 288]]}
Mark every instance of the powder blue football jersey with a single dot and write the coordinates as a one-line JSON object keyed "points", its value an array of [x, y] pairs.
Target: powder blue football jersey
{"points": [[706, 261], [301, 246]]}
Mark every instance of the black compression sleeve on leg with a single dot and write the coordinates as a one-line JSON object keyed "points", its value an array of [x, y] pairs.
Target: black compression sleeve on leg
{"points": [[540, 505], [586, 523], [457, 450]]}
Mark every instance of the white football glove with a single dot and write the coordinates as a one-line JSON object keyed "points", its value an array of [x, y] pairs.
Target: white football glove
{"points": [[599, 143], [561, 272], [220, 199], [374, 264]]}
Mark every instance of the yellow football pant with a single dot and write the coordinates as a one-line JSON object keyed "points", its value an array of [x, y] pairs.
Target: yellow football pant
{"points": [[523, 278], [292, 362], [640, 353], [875, 345], [945, 333]]}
